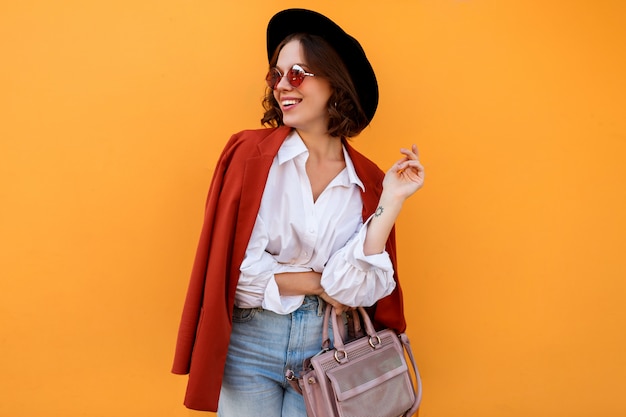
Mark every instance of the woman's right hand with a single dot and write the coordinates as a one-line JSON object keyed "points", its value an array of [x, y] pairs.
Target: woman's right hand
{"points": [[339, 308], [306, 283]]}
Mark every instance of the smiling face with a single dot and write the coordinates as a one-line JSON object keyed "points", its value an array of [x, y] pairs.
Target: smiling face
{"points": [[304, 107]]}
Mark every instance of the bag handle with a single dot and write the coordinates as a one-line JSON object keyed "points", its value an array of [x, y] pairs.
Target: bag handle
{"points": [[340, 352], [325, 338], [355, 331], [354, 327]]}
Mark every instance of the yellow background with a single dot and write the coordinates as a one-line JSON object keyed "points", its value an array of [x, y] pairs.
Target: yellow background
{"points": [[112, 114]]}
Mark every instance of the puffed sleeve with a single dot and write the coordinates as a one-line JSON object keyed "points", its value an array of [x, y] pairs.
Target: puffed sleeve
{"points": [[355, 279], [256, 281]]}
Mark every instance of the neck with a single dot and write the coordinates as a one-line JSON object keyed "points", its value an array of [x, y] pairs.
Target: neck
{"points": [[322, 145]]}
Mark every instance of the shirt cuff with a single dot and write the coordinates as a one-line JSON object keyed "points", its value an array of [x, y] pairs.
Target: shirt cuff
{"points": [[356, 279], [358, 258], [273, 301]]}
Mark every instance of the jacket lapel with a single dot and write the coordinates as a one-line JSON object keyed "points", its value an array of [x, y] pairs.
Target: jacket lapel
{"points": [[256, 171]]}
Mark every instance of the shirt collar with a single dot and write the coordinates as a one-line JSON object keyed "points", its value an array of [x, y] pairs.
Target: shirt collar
{"points": [[354, 179], [293, 146]]}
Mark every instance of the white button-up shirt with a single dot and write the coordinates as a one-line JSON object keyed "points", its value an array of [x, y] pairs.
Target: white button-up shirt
{"points": [[293, 233]]}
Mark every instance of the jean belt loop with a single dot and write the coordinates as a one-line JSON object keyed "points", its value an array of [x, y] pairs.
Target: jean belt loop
{"points": [[321, 306]]}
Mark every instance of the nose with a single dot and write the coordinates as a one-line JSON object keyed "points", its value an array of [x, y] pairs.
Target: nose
{"points": [[283, 84]]}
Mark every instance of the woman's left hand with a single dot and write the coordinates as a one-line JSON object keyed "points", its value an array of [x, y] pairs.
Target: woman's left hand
{"points": [[406, 176]]}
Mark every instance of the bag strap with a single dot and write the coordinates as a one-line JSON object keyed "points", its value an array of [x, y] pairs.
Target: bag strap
{"points": [[418, 395]]}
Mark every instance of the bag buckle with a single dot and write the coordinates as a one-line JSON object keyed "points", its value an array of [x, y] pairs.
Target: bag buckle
{"points": [[372, 343], [341, 360]]}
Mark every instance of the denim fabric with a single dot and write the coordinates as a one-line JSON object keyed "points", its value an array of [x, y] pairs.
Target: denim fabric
{"points": [[263, 345]]}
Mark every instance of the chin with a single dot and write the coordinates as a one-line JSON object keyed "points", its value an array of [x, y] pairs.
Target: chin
{"points": [[291, 122]]}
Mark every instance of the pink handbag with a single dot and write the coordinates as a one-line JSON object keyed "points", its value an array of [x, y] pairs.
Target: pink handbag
{"points": [[366, 377]]}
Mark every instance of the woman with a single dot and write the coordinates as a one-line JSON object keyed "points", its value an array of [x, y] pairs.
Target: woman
{"points": [[295, 218]]}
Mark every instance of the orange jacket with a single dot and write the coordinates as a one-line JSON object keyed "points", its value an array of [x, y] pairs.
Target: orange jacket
{"points": [[232, 205]]}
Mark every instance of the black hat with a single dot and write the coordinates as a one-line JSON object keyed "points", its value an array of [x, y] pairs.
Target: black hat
{"points": [[291, 21]]}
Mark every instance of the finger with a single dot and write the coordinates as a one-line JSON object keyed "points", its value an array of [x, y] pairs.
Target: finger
{"points": [[410, 164], [416, 151], [413, 153], [415, 164], [412, 170], [407, 152], [338, 308]]}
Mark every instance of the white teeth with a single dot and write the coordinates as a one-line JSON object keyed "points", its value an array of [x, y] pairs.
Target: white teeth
{"points": [[289, 102]]}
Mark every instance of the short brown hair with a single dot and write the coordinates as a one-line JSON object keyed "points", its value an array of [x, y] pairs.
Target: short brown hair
{"points": [[346, 116]]}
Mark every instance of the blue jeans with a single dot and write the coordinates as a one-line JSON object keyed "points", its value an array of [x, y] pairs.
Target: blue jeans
{"points": [[263, 345]]}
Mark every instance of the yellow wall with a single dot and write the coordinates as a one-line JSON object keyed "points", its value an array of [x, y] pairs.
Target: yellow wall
{"points": [[112, 114]]}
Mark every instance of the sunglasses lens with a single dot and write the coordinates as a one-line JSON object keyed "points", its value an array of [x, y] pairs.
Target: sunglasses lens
{"points": [[295, 76], [273, 78]]}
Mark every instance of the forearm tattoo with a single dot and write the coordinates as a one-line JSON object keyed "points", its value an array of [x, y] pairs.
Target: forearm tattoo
{"points": [[379, 211]]}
